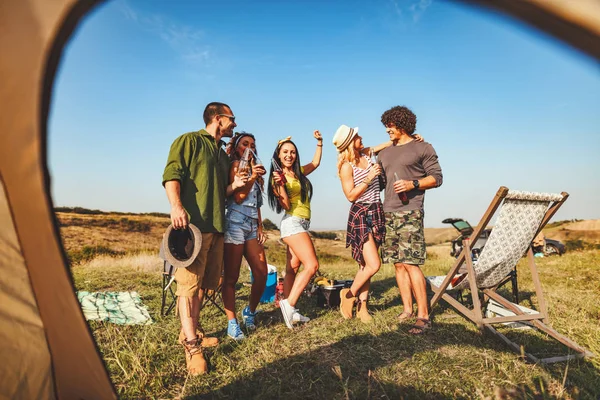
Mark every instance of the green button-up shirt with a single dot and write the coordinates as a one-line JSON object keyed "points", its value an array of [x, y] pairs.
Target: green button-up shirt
{"points": [[200, 164]]}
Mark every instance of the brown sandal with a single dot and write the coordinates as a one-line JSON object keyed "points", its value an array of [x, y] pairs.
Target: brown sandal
{"points": [[405, 316], [420, 327]]}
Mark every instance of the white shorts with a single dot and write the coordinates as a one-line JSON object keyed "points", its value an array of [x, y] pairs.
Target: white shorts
{"points": [[291, 225]]}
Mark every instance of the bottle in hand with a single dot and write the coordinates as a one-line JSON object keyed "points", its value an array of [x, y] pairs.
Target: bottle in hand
{"points": [[402, 196], [277, 169]]}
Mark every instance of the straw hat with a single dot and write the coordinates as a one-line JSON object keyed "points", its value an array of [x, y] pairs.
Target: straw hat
{"points": [[180, 247], [343, 137]]}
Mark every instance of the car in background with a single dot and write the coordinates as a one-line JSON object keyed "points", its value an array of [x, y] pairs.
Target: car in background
{"points": [[552, 247]]}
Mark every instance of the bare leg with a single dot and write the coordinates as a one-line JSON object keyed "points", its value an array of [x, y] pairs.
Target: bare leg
{"points": [[189, 311], [363, 292], [301, 245], [417, 280], [291, 269], [372, 264], [255, 255], [404, 284], [231, 274]]}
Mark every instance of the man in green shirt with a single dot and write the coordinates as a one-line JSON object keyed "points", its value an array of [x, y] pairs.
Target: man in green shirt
{"points": [[196, 181]]}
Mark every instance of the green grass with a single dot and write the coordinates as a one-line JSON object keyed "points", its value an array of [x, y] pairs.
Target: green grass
{"points": [[331, 358]]}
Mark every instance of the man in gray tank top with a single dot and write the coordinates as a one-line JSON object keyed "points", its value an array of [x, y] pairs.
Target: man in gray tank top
{"points": [[410, 168]]}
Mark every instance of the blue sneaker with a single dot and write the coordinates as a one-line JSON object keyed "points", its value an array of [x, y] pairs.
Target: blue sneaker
{"points": [[234, 331], [248, 317]]}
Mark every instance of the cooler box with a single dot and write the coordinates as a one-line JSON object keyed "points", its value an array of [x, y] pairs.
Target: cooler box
{"points": [[268, 295]]}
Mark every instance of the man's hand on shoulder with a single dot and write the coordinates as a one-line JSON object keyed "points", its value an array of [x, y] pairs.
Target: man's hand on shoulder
{"points": [[179, 217]]}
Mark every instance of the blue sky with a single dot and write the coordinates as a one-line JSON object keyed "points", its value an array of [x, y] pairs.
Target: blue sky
{"points": [[501, 103]]}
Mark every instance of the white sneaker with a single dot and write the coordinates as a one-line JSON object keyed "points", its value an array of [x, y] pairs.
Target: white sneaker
{"points": [[287, 312], [297, 317]]}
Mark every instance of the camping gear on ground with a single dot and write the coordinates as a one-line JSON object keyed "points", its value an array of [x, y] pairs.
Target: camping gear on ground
{"points": [[268, 295], [279, 291], [123, 308], [181, 247], [328, 293], [522, 215]]}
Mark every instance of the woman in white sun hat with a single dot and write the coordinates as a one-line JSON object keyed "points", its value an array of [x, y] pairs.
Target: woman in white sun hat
{"points": [[359, 173]]}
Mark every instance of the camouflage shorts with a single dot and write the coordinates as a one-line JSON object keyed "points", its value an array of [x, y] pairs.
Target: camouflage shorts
{"points": [[404, 239]]}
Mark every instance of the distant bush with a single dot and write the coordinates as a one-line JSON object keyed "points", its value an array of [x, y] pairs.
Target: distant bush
{"points": [[78, 210], [87, 211], [575, 244], [563, 222], [157, 214], [123, 224], [87, 253], [269, 225], [130, 225], [324, 235]]}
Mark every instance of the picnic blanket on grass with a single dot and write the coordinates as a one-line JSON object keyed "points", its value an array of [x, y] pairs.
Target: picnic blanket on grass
{"points": [[123, 308]]}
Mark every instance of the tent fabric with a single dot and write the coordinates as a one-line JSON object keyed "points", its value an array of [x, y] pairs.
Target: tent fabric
{"points": [[28, 30], [39, 309], [23, 348], [576, 22]]}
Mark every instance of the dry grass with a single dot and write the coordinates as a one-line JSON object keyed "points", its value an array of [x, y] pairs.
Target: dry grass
{"points": [[331, 358]]}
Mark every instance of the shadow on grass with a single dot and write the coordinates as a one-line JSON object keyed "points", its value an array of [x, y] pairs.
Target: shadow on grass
{"points": [[353, 367], [378, 366]]}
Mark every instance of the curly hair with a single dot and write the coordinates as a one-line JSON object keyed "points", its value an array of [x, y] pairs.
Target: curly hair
{"points": [[401, 117]]}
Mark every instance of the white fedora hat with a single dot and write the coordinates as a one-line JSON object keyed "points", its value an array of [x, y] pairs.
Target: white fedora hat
{"points": [[343, 137]]}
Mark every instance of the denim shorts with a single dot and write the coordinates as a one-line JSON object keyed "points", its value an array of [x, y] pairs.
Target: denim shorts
{"points": [[239, 228], [291, 225]]}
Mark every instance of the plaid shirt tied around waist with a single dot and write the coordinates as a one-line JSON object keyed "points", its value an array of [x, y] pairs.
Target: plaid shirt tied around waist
{"points": [[358, 229]]}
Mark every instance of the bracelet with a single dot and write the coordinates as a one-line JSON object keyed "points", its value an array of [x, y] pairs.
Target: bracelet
{"points": [[320, 145]]}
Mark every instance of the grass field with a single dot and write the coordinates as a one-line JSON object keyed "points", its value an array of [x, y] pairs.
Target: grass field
{"points": [[330, 358]]}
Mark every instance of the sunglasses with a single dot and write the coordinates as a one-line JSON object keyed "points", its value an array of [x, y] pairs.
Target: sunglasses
{"points": [[231, 117]]}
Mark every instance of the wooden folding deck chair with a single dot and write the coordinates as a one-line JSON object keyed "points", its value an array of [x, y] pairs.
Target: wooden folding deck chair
{"points": [[522, 215]]}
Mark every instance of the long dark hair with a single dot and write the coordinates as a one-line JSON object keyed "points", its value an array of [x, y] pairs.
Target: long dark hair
{"points": [[305, 185], [233, 156]]}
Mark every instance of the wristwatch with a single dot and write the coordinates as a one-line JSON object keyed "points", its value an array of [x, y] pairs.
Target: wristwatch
{"points": [[416, 183]]}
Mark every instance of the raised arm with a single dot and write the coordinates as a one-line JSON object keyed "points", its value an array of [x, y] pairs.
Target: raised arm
{"points": [[377, 149], [316, 161], [351, 191]]}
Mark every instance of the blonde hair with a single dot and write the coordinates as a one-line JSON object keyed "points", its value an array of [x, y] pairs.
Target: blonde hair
{"points": [[348, 155]]}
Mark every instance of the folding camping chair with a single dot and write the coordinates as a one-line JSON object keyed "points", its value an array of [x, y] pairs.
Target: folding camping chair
{"points": [[212, 297], [168, 289], [169, 285], [522, 215]]}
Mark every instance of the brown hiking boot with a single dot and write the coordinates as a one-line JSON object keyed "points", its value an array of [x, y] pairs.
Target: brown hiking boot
{"points": [[207, 341], [346, 305], [363, 313], [196, 364]]}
